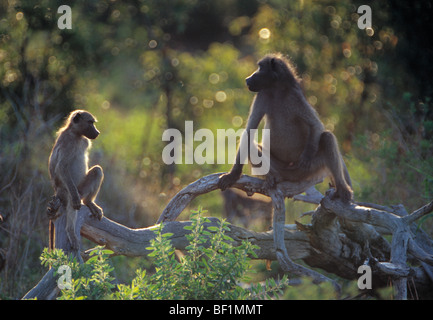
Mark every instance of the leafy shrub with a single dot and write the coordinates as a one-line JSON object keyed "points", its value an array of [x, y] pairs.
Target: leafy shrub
{"points": [[211, 268], [91, 280]]}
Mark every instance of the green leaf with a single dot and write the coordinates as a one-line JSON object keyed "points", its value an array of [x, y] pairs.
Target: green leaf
{"points": [[167, 235]]}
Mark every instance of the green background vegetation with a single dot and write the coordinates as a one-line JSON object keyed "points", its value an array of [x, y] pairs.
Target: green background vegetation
{"points": [[142, 66]]}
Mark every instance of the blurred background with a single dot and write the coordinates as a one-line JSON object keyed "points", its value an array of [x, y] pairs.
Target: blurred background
{"points": [[143, 66]]}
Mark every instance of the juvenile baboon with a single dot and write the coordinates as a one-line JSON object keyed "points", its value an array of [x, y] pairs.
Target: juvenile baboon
{"points": [[72, 180], [300, 147]]}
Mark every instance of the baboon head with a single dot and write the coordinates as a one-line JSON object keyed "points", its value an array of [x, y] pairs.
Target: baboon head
{"points": [[274, 70], [83, 124]]}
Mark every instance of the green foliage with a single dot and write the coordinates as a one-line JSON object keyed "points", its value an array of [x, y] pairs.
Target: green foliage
{"points": [[210, 269], [309, 291], [144, 66], [91, 280]]}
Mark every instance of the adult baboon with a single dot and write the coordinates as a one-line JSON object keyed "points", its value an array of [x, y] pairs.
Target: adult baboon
{"points": [[72, 180], [300, 147]]}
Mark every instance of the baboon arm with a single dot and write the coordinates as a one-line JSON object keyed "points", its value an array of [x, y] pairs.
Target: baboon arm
{"points": [[256, 115]]}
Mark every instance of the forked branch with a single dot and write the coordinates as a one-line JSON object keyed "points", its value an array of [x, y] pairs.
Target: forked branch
{"points": [[340, 238]]}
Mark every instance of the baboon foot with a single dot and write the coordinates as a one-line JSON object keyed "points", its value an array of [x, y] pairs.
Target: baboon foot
{"points": [[96, 210], [227, 180], [344, 194], [270, 182]]}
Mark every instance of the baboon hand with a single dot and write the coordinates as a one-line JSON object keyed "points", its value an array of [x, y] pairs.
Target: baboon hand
{"points": [[227, 180]]}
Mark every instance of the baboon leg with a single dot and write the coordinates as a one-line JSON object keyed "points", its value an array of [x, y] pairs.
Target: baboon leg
{"points": [[89, 189], [91, 184], [330, 154]]}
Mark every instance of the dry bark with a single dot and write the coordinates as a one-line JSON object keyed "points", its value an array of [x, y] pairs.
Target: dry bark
{"points": [[339, 239]]}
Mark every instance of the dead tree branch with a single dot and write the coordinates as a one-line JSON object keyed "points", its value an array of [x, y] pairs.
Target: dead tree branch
{"points": [[251, 185], [339, 239]]}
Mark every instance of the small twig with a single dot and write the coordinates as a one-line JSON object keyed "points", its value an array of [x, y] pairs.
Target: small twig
{"points": [[419, 213]]}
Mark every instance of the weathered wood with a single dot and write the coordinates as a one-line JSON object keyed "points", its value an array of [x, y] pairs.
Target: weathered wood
{"points": [[62, 240], [403, 242], [252, 185], [280, 246], [209, 183], [133, 242], [340, 238], [46, 289]]}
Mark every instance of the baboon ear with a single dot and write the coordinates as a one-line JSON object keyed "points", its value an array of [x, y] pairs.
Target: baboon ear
{"points": [[273, 64], [77, 118], [274, 68]]}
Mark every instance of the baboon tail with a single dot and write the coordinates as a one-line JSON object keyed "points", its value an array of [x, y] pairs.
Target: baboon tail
{"points": [[51, 235]]}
